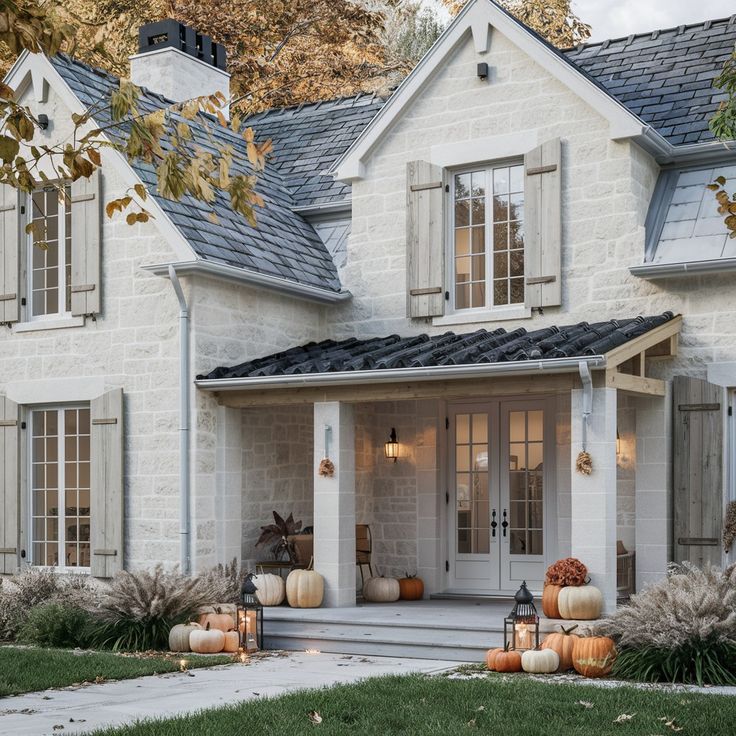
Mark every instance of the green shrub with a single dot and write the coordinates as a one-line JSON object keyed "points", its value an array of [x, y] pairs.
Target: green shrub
{"points": [[56, 625]]}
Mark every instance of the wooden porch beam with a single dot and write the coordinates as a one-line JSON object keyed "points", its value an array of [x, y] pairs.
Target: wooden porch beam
{"points": [[635, 384], [644, 342]]}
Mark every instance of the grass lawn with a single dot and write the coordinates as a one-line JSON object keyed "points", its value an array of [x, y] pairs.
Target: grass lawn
{"points": [[515, 706], [24, 670]]}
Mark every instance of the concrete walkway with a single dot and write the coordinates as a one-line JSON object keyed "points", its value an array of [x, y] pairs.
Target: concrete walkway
{"points": [[89, 707]]}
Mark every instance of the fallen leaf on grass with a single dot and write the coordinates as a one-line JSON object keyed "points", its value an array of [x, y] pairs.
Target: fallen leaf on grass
{"points": [[58, 727], [624, 717], [585, 703], [471, 723], [481, 707], [314, 717], [670, 723]]}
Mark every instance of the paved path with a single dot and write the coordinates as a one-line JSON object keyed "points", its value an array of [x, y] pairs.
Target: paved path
{"points": [[161, 696]]}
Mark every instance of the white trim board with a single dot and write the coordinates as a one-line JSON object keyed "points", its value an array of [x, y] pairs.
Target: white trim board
{"points": [[475, 152], [55, 390]]}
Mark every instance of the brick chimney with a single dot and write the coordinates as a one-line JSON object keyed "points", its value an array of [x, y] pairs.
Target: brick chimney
{"points": [[175, 61]]}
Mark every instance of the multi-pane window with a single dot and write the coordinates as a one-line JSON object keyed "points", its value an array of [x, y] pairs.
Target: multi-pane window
{"points": [[60, 487], [488, 235], [50, 252]]}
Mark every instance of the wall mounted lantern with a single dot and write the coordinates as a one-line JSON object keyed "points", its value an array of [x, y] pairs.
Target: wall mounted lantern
{"points": [[391, 448]]}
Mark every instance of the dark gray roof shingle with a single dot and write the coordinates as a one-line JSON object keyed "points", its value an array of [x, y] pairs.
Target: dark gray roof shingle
{"points": [[421, 351]]}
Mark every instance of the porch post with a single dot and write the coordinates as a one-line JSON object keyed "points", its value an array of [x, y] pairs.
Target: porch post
{"points": [[593, 512], [334, 502]]}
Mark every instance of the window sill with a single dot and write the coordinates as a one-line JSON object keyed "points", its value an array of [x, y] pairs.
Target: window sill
{"points": [[483, 315], [48, 324], [669, 270]]}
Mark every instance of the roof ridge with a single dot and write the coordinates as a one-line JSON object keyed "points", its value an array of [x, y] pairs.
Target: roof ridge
{"points": [[680, 28]]}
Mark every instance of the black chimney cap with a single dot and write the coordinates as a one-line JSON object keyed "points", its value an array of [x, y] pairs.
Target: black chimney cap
{"points": [[171, 33]]}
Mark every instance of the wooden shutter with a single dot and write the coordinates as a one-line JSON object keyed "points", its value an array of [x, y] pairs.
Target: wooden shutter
{"points": [[9, 486], [543, 225], [697, 470], [9, 254], [425, 266], [106, 502], [86, 204]]}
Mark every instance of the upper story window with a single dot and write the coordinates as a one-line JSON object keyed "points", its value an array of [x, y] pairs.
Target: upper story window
{"points": [[488, 237], [50, 253]]}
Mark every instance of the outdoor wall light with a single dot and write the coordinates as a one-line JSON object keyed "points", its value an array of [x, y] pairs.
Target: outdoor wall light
{"points": [[483, 70], [391, 448], [521, 626]]}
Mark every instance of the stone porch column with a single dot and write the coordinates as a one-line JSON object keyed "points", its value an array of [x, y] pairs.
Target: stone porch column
{"points": [[334, 503], [593, 503], [653, 487]]}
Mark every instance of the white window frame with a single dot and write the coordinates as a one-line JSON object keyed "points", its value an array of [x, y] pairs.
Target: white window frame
{"points": [[488, 310], [61, 490], [64, 207]]}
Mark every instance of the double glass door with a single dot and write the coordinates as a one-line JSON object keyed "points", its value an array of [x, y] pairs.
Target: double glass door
{"points": [[499, 495]]}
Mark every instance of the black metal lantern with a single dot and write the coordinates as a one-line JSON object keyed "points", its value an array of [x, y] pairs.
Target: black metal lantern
{"points": [[521, 626], [250, 617]]}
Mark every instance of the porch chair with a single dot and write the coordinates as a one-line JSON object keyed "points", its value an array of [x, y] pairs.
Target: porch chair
{"points": [[363, 549]]}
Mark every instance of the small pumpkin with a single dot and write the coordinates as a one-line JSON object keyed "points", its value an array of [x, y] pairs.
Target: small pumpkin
{"points": [[593, 656], [232, 641], [305, 589], [218, 619], [540, 661], [583, 603], [563, 644], [507, 660], [381, 590], [179, 636], [491, 657], [411, 588], [270, 589], [207, 640], [550, 595]]}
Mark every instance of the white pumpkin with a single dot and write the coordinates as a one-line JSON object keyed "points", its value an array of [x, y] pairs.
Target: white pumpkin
{"points": [[270, 589], [540, 661], [207, 640], [179, 636], [305, 589], [381, 590], [583, 602]]}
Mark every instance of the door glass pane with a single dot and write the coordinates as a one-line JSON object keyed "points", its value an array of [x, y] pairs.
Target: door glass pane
{"points": [[526, 490], [471, 484]]}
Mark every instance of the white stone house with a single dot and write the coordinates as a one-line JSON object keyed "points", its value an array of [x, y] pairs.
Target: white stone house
{"points": [[513, 258]]}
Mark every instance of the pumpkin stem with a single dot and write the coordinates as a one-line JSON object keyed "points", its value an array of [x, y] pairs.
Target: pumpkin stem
{"points": [[506, 646], [207, 628], [569, 631]]}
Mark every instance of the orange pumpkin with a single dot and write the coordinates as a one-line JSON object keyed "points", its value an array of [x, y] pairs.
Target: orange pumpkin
{"points": [[411, 588], [491, 657], [563, 644], [232, 641], [550, 594], [507, 660], [593, 656], [217, 620]]}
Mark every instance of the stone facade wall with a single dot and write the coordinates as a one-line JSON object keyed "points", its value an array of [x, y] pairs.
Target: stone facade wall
{"points": [[626, 473]]}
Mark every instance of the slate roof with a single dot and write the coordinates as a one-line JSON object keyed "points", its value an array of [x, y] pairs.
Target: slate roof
{"points": [[665, 77], [422, 351], [283, 244]]}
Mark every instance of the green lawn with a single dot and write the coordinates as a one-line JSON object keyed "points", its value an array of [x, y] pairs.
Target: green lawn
{"points": [[418, 705], [24, 670]]}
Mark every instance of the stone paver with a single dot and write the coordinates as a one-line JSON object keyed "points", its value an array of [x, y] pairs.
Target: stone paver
{"points": [[161, 696]]}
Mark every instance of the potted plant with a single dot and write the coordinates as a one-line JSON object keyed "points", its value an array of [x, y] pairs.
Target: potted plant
{"points": [[278, 535]]}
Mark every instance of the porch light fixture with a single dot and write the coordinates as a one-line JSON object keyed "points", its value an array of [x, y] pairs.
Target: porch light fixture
{"points": [[391, 448], [521, 626], [249, 615]]}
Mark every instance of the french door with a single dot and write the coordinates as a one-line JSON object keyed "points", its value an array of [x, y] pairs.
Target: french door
{"points": [[500, 457]]}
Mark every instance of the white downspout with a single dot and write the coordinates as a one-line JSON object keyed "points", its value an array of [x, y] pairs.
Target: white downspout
{"points": [[185, 561], [587, 399]]}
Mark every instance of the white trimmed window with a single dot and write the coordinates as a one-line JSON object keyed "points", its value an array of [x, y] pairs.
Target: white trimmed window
{"points": [[50, 253], [60, 487], [488, 237]]}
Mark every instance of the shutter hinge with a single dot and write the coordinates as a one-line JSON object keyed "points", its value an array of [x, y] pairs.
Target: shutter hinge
{"points": [[447, 296], [730, 411], [447, 565], [22, 425], [447, 187], [22, 301], [22, 209], [447, 422], [447, 497]]}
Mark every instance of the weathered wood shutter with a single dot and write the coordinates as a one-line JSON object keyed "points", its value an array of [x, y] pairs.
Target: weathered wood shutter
{"points": [[425, 267], [9, 486], [697, 470], [543, 225], [106, 502], [9, 254], [86, 205]]}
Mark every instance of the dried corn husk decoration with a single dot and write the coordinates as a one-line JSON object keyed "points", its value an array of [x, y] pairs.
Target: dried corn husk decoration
{"points": [[584, 463], [326, 468], [729, 526]]}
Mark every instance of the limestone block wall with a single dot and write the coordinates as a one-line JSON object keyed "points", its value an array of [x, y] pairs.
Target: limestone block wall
{"points": [[626, 473]]}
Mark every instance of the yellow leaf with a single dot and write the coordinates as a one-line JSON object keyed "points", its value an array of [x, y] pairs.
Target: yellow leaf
{"points": [[132, 218], [140, 190], [94, 156]]}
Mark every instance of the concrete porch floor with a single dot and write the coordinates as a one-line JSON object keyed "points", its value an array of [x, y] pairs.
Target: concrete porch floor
{"points": [[458, 630]]}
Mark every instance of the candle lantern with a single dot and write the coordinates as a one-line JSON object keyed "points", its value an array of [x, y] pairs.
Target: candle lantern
{"points": [[521, 626], [250, 617]]}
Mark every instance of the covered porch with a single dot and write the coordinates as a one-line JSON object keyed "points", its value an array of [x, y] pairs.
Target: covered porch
{"points": [[469, 528]]}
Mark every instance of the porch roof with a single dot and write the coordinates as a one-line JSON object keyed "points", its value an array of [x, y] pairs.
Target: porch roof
{"points": [[448, 355]]}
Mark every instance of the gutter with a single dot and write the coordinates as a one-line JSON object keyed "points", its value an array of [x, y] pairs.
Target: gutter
{"points": [[584, 370], [665, 270], [185, 560], [394, 375], [252, 278], [696, 153]]}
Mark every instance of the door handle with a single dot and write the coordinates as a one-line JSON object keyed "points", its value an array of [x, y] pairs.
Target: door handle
{"points": [[494, 523], [504, 523]]}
